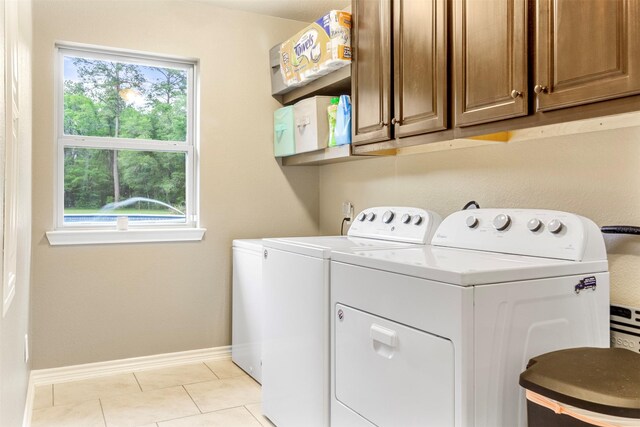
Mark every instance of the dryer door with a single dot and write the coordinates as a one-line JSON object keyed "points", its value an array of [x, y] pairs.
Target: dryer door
{"points": [[391, 374]]}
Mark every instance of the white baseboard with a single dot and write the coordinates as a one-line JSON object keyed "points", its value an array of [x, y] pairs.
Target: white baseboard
{"points": [[41, 377], [112, 367]]}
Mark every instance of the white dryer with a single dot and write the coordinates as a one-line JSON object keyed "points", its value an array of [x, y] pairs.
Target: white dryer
{"points": [[438, 335], [295, 370]]}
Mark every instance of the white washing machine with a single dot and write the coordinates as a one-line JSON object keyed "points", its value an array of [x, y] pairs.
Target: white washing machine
{"points": [[247, 300], [438, 335], [295, 370]]}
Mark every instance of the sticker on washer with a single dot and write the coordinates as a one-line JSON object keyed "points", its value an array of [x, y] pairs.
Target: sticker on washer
{"points": [[586, 283]]}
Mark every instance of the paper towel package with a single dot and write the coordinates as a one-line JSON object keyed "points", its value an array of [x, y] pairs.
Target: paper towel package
{"points": [[318, 49]]}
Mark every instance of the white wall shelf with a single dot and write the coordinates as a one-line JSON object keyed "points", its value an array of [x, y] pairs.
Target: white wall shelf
{"points": [[336, 83]]}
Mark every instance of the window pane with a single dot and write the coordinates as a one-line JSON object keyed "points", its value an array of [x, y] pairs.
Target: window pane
{"points": [[117, 99], [148, 187]]}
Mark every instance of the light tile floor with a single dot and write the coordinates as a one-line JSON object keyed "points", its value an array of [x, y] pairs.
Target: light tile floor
{"points": [[210, 394]]}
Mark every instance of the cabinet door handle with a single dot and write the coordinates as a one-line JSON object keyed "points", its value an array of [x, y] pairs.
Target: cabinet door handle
{"points": [[395, 121], [515, 93], [540, 89]]}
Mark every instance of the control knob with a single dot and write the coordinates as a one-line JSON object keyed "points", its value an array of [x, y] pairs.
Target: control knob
{"points": [[501, 222], [362, 216], [555, 226], [472, 221], [387, 217], [416, 219], [371, 216], [406, 218], [534, 224]]}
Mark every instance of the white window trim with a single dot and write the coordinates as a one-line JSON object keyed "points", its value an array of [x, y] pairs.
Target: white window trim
{"points": [[138, 235], [81, 234]]}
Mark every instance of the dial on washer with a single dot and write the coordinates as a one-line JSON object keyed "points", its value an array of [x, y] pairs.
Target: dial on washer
{"points": [[534, 224], [555, 226], [406, 219], [501, 222], [387, 217]]}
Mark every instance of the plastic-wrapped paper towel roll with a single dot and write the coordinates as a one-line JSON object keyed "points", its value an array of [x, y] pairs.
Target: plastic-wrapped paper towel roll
{"points": [[318, 49]]}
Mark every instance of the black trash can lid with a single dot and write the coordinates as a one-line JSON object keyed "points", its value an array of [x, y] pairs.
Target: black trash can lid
{"points": [[602, 380]]}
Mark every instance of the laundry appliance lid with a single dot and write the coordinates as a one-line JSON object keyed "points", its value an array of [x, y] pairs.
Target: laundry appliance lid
{"points": [[249, 244], [323, 246], [465, 267]]}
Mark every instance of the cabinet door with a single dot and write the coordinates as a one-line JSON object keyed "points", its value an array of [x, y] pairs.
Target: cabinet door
{"points": [[490, 60], [371, 71], [586, 51], [420, 66]]}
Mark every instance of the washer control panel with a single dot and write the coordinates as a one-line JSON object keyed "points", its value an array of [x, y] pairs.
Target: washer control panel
{"points": [[532, 232], [402, 224]]}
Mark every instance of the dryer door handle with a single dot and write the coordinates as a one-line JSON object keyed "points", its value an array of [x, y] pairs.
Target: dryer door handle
{"points": [[383, 335]]}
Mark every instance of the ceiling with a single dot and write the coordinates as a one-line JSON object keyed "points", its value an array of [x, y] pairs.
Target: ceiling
{"points": [[298, 10]]}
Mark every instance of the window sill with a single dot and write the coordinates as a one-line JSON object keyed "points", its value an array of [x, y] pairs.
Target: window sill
{"points": [[103, 237]]}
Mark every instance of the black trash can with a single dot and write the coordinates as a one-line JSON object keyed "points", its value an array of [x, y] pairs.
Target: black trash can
{"points": [[582, 387]]}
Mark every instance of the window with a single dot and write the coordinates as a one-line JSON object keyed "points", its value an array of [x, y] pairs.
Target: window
{"points": [[125, 141]]}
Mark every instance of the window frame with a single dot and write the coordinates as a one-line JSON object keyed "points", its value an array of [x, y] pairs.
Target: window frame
{"points": [[189, 147]]}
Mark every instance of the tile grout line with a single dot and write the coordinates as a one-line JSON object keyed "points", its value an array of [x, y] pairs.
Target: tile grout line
{"points": [[252, 414], [191, 397], [197, 415], [104, 418], [198, 382], [212, 371], [224, 409], [137, 381]]}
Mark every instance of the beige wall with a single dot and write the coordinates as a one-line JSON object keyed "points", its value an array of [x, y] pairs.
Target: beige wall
{"points": [[595, 174], [95, 303], [15, 323]]}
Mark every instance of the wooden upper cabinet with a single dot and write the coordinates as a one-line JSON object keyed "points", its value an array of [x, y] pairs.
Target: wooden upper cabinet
{"points": [[371, 71], [586, 51], [420, 66], [490, 60]]}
